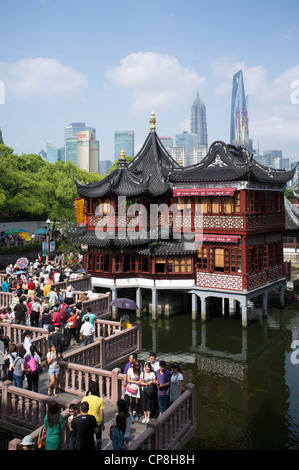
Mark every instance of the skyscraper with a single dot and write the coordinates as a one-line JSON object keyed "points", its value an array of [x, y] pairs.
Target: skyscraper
{"points": [[199, 121], [239, 131], [70, 136], [88, 151], [123, 140], [188, 141]]}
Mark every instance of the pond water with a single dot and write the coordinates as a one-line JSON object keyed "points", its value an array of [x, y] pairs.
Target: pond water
{"points": [[247, 387]]}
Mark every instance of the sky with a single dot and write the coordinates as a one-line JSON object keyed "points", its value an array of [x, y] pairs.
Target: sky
{"points": [[108, 64]]}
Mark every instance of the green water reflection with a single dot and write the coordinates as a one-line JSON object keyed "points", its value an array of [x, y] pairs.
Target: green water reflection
{"points": [[247, 393]]}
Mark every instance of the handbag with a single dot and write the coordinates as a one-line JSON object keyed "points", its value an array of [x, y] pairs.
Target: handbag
{"points": [[150, 390], [131, 388], [41, 440]]}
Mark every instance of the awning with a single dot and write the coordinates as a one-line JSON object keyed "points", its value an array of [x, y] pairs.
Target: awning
{"points": [[204, 192], [217, 238]]}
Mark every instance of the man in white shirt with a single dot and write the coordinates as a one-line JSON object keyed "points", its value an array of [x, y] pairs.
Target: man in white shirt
{"points": [[152, 360], [87, 332]]}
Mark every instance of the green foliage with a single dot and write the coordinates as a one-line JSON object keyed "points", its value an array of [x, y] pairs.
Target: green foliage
{"points": [[113, 167], [29, 186], [289, 194], [1, 137]]}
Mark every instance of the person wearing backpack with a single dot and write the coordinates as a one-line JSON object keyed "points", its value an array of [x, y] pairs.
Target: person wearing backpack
{"points": [[32, 360]]}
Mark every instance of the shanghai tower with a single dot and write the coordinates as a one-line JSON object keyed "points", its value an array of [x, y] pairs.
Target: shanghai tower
{"points": [[199, 121], [239, 132]]}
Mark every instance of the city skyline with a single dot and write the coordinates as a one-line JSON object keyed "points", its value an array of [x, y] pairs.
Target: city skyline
{"points": [[115, 83]]}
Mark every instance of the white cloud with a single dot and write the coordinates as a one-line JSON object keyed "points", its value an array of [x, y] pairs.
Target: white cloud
{"points": [[41, 79], [155, 80]]}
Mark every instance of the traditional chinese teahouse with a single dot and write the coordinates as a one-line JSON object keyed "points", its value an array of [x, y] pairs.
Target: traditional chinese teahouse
{"points": [[213, 230]]}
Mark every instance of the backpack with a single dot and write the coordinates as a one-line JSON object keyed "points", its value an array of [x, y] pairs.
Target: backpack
{"points": [[63, 311]]}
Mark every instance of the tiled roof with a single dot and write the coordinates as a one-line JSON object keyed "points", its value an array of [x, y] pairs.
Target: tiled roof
{"points": [[154, 171]]}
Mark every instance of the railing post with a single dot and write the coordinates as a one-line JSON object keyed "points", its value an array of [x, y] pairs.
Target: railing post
{"points": [[115, 385], [4, 401], [191, 388]]}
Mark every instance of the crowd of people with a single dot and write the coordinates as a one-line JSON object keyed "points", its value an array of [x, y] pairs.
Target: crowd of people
{"points": [[149, 389], [38, 302]]}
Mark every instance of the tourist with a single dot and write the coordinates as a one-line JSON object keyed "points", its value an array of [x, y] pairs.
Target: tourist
{"points": [[46, 320], [96, 408], [32, 361], [125, 322], [52, 297], [47, 289], [27, 443], [69, 296], [53, 423], [118, 433], [85, 426], [133, 388], [20, 312], [35, 312], [19, 369], [92, 317], [59, 295], [55, 318], [123, 407], [2, 355], [148, 390], [57, 339], [73, 412], [10, 356], [53, 359], [83, 297], [5, 285], [27, 341], [176, 382], [31, 287], [163, 383], [79, 310], [87, 332], [71, 326], [153, 361]]}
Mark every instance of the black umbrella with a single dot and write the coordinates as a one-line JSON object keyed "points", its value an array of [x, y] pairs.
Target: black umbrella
{"points": [[122, 302]]}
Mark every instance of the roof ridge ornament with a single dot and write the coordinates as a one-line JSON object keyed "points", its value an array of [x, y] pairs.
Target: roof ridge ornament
{"points": [[152, 121], [122, 154]]}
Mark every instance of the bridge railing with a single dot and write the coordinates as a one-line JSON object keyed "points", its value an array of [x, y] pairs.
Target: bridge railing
{"points": [[173, 428], [170, 431]]}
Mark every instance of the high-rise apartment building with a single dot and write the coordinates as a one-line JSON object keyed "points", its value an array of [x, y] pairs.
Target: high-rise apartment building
{"points": [[239, 130], [88, 151], [167, 143], [70, 137], [88, 141], [54, 154], [123, 140], [199, 121], [188, 141]]}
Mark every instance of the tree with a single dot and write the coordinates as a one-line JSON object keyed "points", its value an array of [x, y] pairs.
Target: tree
{"points": [[289, 194], [113, 167], [29, 186], [1, 137]]}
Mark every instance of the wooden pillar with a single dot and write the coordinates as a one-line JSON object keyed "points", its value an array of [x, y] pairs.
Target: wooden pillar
{"points": [[194, 307]]}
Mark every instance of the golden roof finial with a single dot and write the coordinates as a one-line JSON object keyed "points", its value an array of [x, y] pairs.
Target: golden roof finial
{"points": [[122, 154], [180, 161], [152, 121]]}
